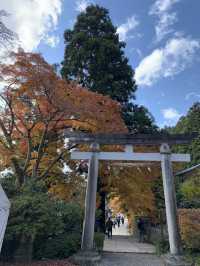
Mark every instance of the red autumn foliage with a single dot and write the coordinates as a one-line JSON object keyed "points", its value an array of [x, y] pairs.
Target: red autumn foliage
{"points": [[36, 107]]}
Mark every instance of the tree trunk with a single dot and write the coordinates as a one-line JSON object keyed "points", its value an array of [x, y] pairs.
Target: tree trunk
{"points": [[18, 171]]}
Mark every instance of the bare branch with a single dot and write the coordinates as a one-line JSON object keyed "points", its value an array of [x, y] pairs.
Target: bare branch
{"points": [[28, 155], [40, 151]]}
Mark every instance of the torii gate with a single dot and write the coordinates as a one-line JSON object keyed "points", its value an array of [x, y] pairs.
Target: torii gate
{"points": [[128, 140]]}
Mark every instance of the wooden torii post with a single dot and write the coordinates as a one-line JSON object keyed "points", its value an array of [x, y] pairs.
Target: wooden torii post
{"points": [[128, 140]]}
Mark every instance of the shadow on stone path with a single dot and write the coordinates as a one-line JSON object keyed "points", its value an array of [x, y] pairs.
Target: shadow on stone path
{"points": [[130, 259]]}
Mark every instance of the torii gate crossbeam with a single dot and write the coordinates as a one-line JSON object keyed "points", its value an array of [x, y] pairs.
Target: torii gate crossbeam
{"points": [[166, 159]]}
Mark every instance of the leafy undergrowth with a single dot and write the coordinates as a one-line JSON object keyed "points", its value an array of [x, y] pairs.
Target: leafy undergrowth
{"points": [[41, 263]]}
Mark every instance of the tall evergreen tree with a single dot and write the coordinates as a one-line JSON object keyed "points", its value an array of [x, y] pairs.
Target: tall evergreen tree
{"points": [[188, 124], [138, 119], [94, 56], [188, 191]]}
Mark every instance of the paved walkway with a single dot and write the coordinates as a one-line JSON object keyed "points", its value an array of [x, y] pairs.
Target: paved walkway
{"points": [[130, 259], [124, 250], [127, 244], [122, 241]]}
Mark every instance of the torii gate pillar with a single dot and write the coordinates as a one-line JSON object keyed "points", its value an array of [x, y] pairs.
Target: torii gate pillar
{"points": [[170, 200], [174, 258], [88, 256], [90, 201]]}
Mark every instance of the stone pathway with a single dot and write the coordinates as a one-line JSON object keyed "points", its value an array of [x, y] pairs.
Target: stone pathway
{"points": [[122, 241], [124, 250], [122, 230], [130, 259], [127, 244]]}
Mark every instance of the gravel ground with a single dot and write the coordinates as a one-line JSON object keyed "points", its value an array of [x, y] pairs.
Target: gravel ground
{"points": [[130, 259], [41, 263]]}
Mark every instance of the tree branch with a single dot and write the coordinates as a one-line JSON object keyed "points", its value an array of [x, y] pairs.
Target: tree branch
{"points": [[28, 156], [55, 161], [40, 152]]}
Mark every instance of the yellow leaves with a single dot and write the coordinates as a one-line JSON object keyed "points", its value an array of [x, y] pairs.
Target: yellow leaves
{"points": [[189, 220], [115, 204], [88, 125], [69, 190], [34, 155], [133, 190]]}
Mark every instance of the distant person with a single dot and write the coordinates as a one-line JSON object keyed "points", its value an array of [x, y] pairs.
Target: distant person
{"points": [[122, 219], [109, 225], [118, 220], [114, 223], [141, 229]]}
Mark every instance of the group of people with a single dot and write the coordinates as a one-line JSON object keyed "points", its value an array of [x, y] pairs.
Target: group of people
{"points": [[118, 220], [112, 222]]}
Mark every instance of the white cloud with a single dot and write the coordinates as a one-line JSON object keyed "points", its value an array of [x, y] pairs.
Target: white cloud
{"points": [[52, 40], [161, 9], [168, 61], [81, 5], [163, 27], [171, 114], [124, 29], [32, 20], [161, 6], [191, 94]]}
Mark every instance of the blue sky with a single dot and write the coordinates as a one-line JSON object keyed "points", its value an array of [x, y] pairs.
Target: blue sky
{"points": [[162, 36]]}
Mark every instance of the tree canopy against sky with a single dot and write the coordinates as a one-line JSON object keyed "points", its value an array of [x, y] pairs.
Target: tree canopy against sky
{"points": [[188, 124], [36, 106], [94, 56], [189, 192]]}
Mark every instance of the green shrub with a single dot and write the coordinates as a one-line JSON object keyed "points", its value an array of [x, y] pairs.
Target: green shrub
{"points": [[99, 240], [162, 246], [53, 226], [61, 246], [193, 258]]}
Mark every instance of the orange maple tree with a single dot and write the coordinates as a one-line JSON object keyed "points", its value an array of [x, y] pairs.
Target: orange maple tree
{"points": [[36, 107]]}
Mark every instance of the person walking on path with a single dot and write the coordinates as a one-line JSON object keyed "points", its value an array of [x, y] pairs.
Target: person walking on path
{"points": [[122, 218], [141, 229], [109, 225], [114, 223], [118, 220]]}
